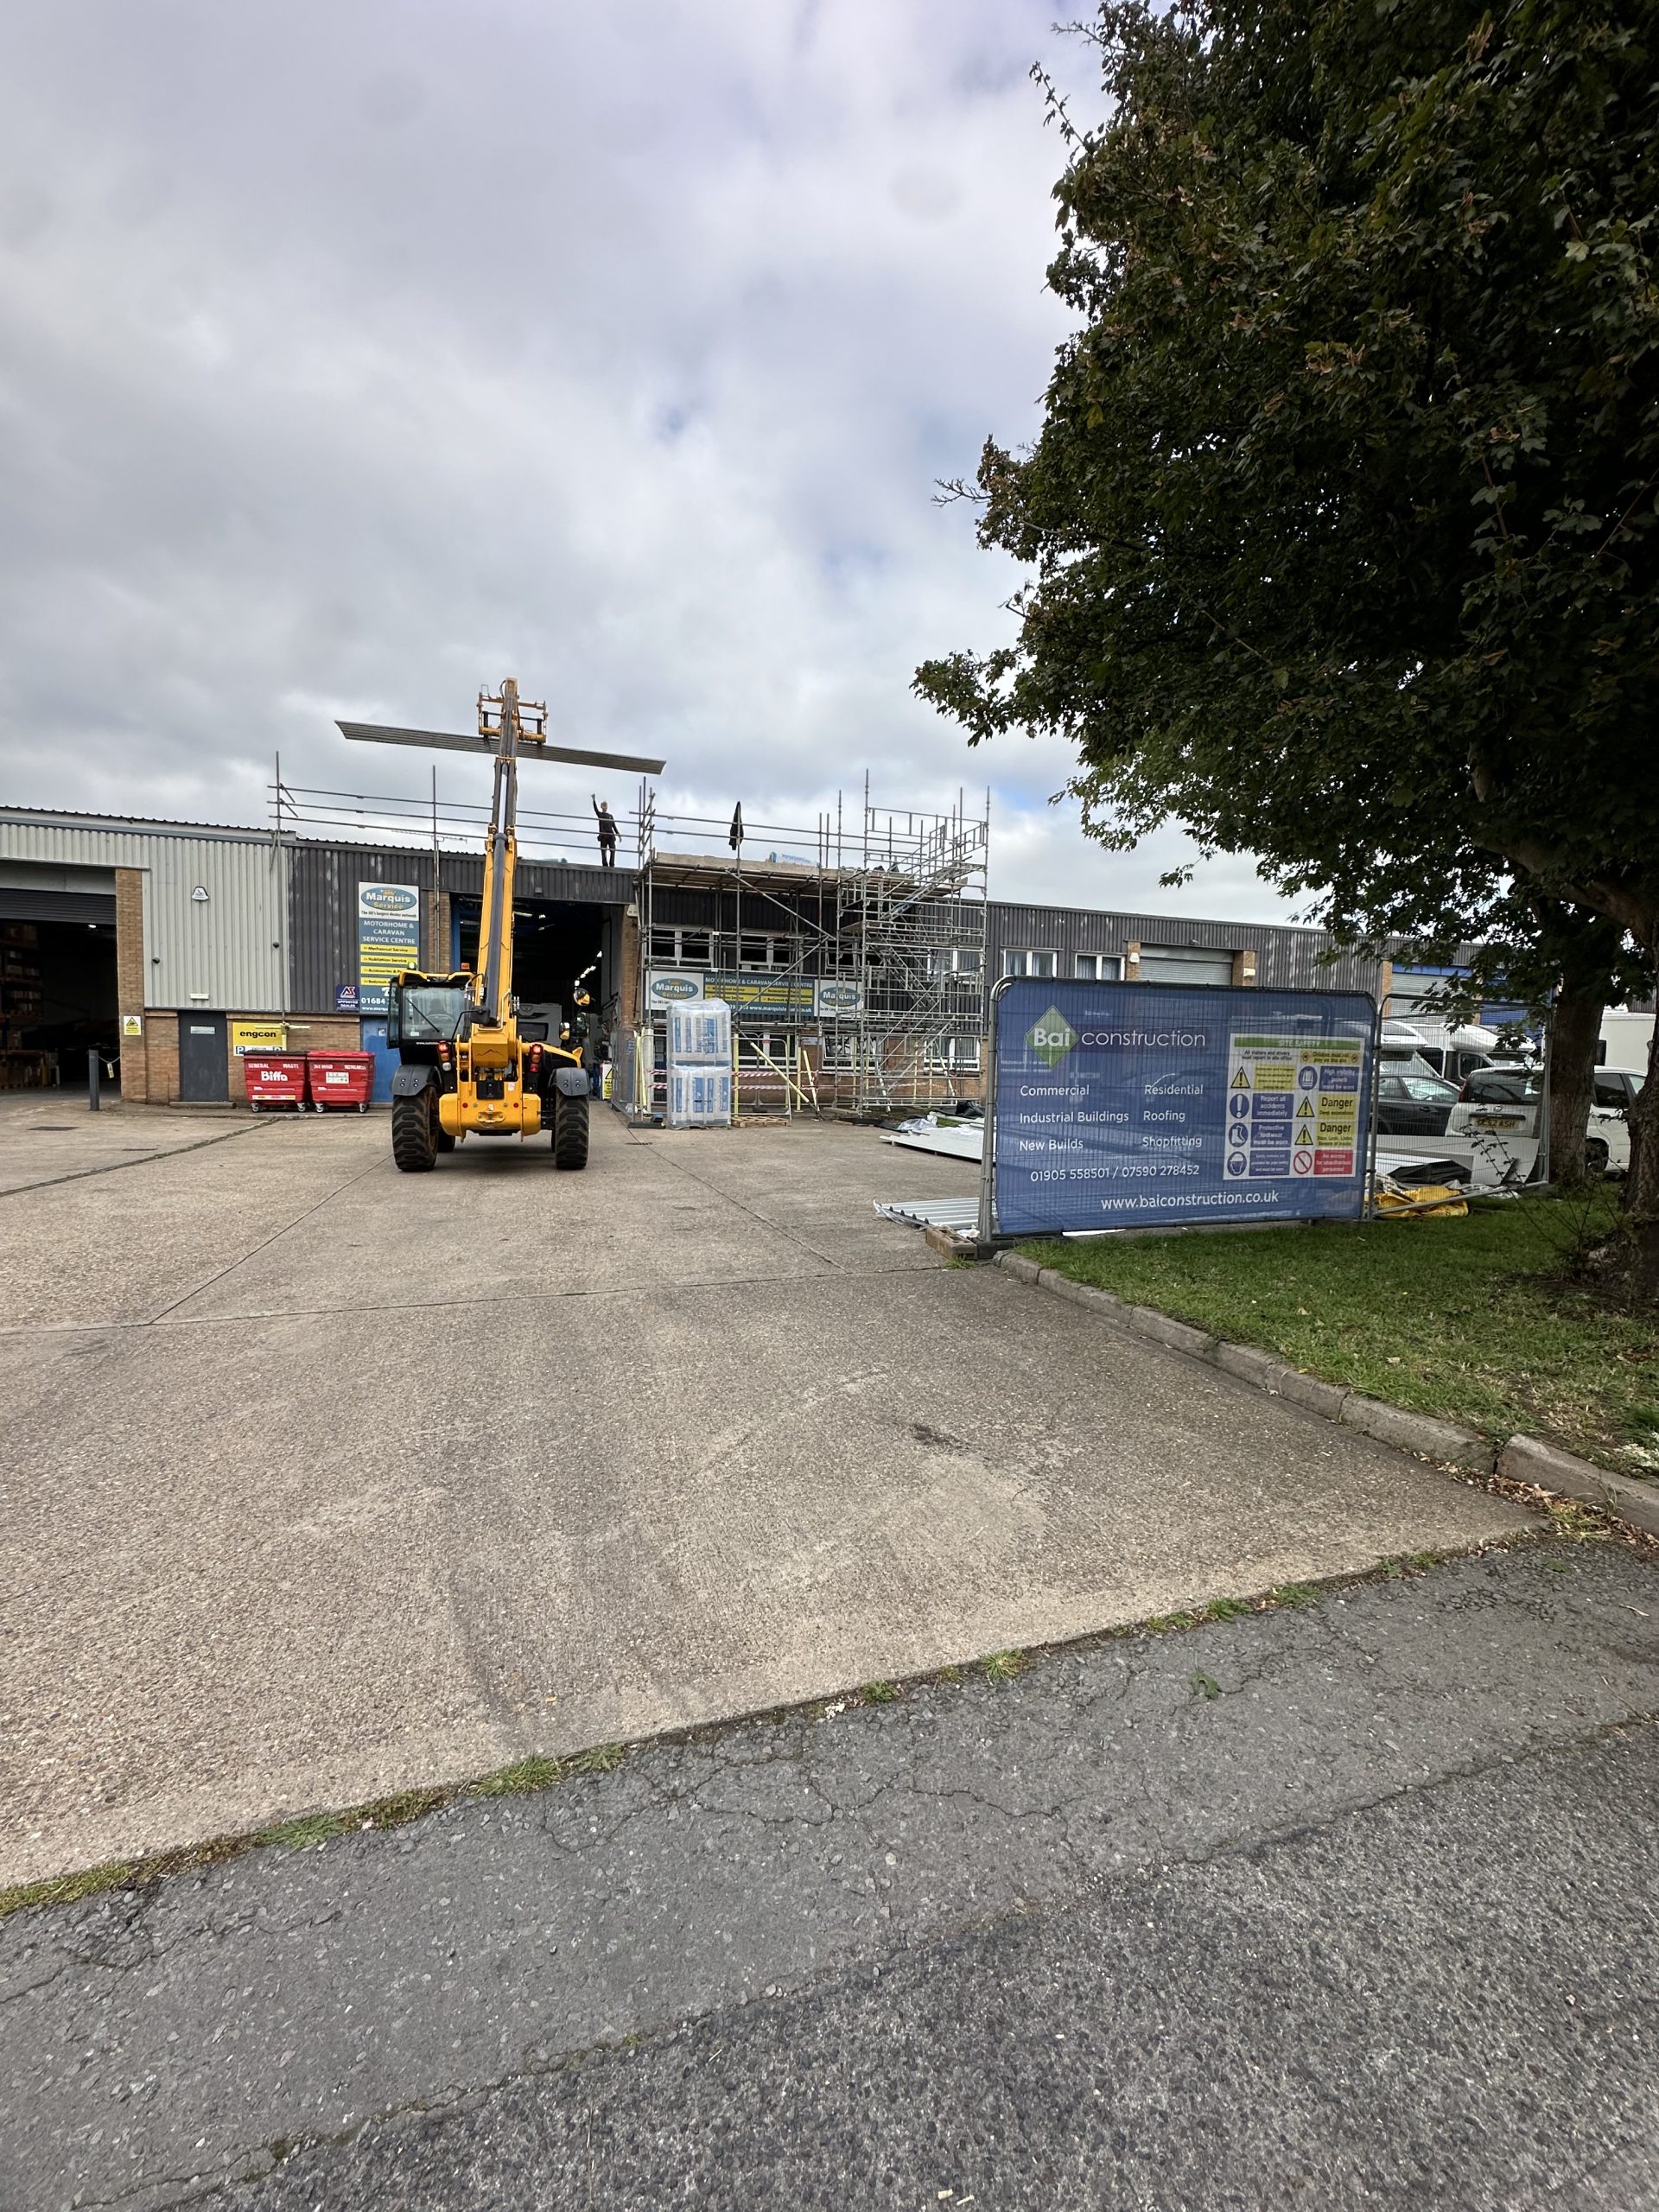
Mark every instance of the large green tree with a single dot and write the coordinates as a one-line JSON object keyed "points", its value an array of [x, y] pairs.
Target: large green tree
{"points": [[1341, 521]]}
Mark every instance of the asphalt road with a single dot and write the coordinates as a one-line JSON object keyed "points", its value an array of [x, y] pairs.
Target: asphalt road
{"points": [[1353, 1905]]}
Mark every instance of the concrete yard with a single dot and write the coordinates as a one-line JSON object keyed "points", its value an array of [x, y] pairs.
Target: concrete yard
{"points": [[327, 1480]]}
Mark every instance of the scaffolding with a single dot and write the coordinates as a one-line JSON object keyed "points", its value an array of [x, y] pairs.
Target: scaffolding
{"points": [[852, 953], [852, 949]]}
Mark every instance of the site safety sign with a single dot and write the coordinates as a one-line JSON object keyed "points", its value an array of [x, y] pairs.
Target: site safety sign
{"points": [[1133, 1105]]}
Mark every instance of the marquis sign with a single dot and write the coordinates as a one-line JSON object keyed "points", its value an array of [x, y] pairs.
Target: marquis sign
{"points": [[388, 939]]}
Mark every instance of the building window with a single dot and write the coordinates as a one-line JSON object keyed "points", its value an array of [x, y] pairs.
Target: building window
{"points": [[965, 960], [756, 951], [1098, 968], [960, 1055], [840, 1048], [1026, 963], [671, 948]]}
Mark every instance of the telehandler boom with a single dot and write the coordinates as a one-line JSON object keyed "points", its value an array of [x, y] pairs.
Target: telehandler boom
{"points": [[464, 1071]]}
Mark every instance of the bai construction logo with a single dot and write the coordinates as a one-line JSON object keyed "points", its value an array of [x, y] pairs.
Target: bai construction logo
{"points": [[1050, 1037]]}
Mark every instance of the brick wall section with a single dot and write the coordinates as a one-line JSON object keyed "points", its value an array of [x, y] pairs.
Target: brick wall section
{"points": [[325, 1032], [307, 1032], [130, 968], [161, 1052]]}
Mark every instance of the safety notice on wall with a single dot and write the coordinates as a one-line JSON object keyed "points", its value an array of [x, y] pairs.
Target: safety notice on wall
{"points": [[1131, 1105], [1293, 1106]]}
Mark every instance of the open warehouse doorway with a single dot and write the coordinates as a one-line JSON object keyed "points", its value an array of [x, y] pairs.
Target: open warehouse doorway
{"points": [[563, 962], [58, 999]]}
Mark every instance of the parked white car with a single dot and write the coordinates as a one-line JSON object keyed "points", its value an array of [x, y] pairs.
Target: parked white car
{"points": [[1500, 1102]]}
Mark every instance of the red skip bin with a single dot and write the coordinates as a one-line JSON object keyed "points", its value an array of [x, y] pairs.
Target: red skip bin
{"points": [[341, 1079], [275, 1079]]}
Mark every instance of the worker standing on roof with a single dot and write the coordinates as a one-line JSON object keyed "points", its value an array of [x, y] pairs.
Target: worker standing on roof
{"points": [[607, 833]]}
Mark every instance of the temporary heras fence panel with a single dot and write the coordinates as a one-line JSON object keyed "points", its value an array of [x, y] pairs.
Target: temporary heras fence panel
{"points": [[1137, 1105]]}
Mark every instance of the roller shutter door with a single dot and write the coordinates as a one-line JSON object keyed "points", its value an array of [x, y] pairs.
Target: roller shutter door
{"points": [[1185, 963]]}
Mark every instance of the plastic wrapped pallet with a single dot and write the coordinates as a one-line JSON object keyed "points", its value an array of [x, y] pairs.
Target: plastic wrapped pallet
{"points": [[699, 1097], [700, 1032]]}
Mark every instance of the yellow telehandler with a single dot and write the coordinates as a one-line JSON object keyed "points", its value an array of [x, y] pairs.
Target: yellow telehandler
{"points": [[464, 1068]]}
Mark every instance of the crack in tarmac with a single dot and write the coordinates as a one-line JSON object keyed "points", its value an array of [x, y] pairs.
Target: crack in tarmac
{"points": [[241, 2165]]}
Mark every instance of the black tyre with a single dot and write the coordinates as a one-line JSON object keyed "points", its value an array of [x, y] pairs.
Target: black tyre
{"points": [[569, 1130], [1595, 1155], [446, 1142], [414, 1132]]}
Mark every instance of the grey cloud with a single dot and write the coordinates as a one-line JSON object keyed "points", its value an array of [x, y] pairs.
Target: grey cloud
{"points": [[351, 357]]}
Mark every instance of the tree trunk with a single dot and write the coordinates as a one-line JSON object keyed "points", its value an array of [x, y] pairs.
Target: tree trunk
{"points": [[1641, 1184], [1574, 1028]]}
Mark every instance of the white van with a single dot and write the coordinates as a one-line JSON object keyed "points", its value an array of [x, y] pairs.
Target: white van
{"points": [[1626, 1040], [1451, 1050]]}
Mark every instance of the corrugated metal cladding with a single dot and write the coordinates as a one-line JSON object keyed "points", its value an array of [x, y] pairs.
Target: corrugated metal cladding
{"points": [[1287, 959], [222, 950], [763, 906], [463, 873], [322, 902]]}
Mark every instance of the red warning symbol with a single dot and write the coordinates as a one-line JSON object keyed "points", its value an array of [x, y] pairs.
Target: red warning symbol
{"points": [[1301, 1162]]}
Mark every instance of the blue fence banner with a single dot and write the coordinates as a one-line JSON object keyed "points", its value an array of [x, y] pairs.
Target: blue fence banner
{"points": [[1136, 1105]]}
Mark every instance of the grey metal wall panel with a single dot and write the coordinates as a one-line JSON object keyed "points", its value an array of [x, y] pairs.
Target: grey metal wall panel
{"points": [[38, 875], [322, 883], [222, 950], [322, 901], [1287, 958]]}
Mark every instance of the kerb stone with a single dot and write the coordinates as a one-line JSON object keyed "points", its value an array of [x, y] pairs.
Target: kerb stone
{"points": [[1419, 1432], [1525, 1459]]}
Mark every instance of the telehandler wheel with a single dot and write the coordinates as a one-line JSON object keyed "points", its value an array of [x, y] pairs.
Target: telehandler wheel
{"points": [[413, 1132], [446, 1142], [571, 1131]]}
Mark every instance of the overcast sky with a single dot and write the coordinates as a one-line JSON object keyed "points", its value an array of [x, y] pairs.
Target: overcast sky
{"points": [[354, 352]]}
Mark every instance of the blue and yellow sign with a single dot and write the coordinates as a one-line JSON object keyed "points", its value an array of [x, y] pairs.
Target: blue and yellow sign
{"points": [[388, 938], [1126, 1105]]}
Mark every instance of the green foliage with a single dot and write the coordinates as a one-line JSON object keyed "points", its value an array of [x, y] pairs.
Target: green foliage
{"points": [[1342, 521]]}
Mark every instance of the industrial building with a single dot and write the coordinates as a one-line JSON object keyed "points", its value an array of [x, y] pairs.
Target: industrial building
{"points": [[857, 953]]}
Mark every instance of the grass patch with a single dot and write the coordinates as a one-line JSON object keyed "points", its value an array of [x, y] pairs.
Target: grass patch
{"points": [[879, 1692], [1297, 1596], [1003, 1666], [1475, 1320]]}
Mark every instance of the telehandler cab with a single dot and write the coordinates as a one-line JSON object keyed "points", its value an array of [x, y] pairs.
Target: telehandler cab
{"points": [[465, 1070]]}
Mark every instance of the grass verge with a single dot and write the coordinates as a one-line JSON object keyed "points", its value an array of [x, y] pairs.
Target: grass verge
{"points": [[1474, 1320]]}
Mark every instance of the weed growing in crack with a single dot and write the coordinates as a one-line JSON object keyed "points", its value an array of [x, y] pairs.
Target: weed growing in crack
{"points": [[1003, 1666], [308, 1829], [879, 1692], [520, 1779], [1575, 1523], [1203, 1685], [603, 1758]]}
